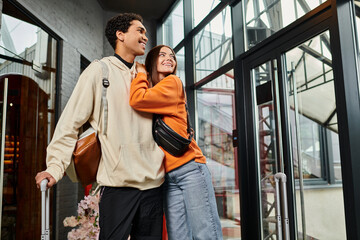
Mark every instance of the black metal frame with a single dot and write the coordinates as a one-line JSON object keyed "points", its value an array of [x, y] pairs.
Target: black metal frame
{"points": [[328, 16], [346, 74], [189, 59]]}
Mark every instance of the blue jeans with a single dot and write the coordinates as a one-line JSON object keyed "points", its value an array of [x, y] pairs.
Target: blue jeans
{"points": [[190, 206]]}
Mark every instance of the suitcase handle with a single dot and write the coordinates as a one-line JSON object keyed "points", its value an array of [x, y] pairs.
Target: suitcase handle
{"points": [[45, 213]]}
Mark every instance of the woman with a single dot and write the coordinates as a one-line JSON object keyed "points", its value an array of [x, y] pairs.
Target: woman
{"points": [[190, 207]]}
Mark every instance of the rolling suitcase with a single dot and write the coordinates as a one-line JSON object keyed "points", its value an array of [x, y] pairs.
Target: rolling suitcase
{"points": [[45, 210], [282, 218]]}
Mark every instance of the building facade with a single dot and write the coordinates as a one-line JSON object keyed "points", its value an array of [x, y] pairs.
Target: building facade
{"points": [[272, 86]]}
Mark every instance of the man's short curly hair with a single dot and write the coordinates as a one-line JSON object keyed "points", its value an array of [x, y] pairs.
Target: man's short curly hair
{"points": [[121, 23]]}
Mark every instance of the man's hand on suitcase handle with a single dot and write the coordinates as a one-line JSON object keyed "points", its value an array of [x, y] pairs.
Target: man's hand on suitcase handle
{"points": [[41, 176]]}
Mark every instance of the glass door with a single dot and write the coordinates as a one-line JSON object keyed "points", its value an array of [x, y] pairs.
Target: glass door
{"points": [[269, 160], [315, 158], [306, 114]]}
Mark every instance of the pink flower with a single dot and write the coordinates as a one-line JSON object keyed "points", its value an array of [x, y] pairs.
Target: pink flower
{"points": [[70, 222], [87, 221]]}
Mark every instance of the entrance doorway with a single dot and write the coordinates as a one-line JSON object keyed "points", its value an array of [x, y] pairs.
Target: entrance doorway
{"points": [[28, 62], [24, 155], [293, 109]]}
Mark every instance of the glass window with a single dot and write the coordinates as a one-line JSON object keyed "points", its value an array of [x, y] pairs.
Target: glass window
{"points": [[202, 8], [310, 72], [213, 45], [310, 142], [314, 138], [10, 44], [28, 63], [173, 27], [335, 154], [180, 57], [216, 121], [264, 18], [33, 52]]}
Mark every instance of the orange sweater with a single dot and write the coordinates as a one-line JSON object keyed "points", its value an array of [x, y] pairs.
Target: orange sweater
{"points": [[166, 98]]}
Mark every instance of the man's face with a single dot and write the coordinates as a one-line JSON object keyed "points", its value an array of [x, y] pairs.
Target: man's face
{"points": [[134, 40]]}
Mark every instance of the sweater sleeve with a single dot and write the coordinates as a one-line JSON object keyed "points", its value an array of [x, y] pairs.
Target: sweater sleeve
{"points": [[76, 112], [163, 98]]}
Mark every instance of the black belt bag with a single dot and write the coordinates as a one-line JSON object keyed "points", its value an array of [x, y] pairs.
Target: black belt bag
{"points": [[168, 139]]}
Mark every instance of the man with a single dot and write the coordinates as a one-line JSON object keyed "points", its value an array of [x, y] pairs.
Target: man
{"points": [[130, 170]]}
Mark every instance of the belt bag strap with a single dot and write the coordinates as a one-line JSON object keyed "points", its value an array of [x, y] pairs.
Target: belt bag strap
{"points": [[190, 130]]}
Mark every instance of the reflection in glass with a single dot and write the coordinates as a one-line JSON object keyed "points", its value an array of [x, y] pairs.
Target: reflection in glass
{"points": [[213, 45], [262, 78], [216, 120], [310, 148], [34, 47], [264, 18], [173, 27], [335, 154], [314, 137], [180, 57], [202, 8], [16, 36]]}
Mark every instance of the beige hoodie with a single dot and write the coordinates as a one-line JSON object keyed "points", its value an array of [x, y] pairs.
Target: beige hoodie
{"points": [[130, 156]]}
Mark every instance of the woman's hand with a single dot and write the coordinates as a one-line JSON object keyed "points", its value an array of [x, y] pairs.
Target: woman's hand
{"points": [[140, 68]]}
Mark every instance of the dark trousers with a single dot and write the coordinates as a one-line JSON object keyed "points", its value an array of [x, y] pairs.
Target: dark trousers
{"points": [[129, 211]]}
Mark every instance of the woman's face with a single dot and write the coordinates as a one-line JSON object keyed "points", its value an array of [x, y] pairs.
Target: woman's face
{"points": [[166, 62]]}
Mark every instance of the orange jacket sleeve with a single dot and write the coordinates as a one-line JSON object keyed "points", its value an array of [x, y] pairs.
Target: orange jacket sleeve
{"points": [[162, 99]]}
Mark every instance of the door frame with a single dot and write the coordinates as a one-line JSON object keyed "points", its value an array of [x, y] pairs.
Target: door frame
{"points": [[21, 9], [327, 16]]}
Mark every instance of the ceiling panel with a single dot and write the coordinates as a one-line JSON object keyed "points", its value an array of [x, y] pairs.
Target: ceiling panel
{"points": [[147, 9]]}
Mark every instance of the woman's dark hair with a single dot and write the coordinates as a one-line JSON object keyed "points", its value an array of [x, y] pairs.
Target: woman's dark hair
{"points": [[121, 23], [151, 62]]}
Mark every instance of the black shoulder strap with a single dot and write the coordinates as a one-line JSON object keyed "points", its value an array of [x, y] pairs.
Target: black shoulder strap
{"points": [[190, 130]]}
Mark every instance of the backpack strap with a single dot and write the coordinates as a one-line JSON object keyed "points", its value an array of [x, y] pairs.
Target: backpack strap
{"points": [[106, 84]]}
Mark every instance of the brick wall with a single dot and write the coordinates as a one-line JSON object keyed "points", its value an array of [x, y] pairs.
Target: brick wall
{"points": [[79, 23]]}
